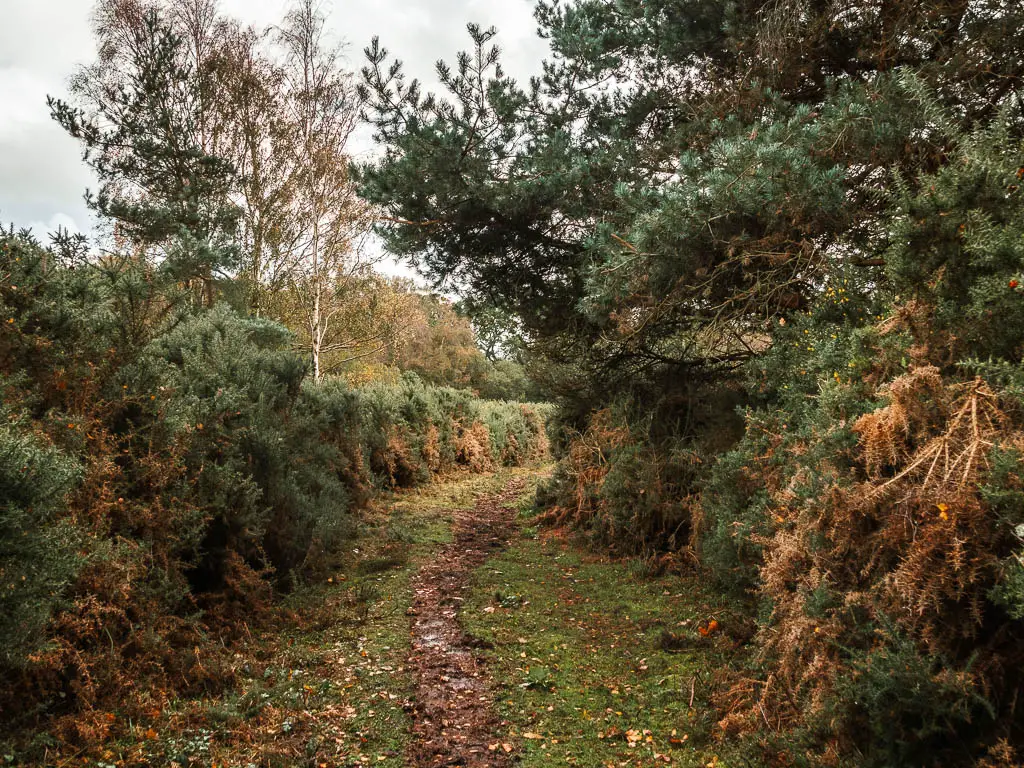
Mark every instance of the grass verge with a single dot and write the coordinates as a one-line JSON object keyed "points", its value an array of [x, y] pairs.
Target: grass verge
{"points": [[595, 662], [326, 685]]}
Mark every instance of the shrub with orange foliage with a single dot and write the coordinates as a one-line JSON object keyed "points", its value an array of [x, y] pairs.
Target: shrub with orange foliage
{"points": [[473, 447], [624, 491], [879, 542], [166, 472]]}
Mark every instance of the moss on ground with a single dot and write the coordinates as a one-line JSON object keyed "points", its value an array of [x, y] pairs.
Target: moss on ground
{"points": [[594, 664]]}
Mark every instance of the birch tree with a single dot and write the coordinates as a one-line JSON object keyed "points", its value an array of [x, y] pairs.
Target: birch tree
{"points": [[250, 86], [333, 222]]}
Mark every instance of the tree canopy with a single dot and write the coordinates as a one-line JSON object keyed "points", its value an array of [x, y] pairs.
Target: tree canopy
{"points": [[682, 174]]}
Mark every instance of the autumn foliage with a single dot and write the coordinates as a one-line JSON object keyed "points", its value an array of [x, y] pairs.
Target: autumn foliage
{"points": [[168, 472]]}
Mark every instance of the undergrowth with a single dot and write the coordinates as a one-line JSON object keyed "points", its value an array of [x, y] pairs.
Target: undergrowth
{"points": [[324, 682], [168, 474]]}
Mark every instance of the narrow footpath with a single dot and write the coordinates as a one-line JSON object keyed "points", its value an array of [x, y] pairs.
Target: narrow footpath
{"points": [[454, 722], [457, 634]]}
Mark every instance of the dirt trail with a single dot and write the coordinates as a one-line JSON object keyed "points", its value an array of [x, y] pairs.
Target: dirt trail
{"points": [[453, 719]]}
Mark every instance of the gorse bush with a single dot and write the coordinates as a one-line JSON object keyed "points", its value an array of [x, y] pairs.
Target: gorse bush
{"points": [[870, 513], [165, 469], [873, 508], [414, 430], [624, 490], [38, 550]]}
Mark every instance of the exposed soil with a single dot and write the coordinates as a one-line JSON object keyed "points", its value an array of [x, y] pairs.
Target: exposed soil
{"points": [[454, 722]]}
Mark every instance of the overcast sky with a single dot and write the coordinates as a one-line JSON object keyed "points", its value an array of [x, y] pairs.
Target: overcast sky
{"points": [[42, 176]]}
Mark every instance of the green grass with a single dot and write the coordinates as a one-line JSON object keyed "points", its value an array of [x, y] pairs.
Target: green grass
{"points": [[328, 684], [584, 662]]}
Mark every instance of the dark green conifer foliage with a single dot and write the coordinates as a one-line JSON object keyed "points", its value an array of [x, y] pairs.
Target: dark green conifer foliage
{"points": [[140, 132], [678, 174]]}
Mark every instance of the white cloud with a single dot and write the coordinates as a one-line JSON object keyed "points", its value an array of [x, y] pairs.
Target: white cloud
{"points": [[41, 172], [42, 229], [46, 37], [20, 92]]}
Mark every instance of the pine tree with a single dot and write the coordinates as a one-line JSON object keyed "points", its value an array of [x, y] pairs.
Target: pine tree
{"points": [[674, 181], [140, 123]]}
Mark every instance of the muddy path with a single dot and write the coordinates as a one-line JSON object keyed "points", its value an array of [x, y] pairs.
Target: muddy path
{"points": [[454, 722]]}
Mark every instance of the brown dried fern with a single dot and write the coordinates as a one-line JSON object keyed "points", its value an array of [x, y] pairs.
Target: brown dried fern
{"points": [[912, 542]]}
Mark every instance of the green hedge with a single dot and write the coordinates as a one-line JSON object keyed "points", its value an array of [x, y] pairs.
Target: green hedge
{"points": [[165, 469]]}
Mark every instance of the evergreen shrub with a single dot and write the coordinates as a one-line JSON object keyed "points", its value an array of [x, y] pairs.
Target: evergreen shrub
{"points": [[166, 469], [873, 509]]}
